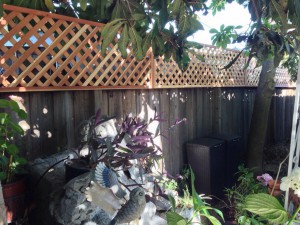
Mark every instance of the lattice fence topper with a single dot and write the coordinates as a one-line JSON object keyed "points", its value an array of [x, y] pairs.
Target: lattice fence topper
{"points": [[44, 51]]}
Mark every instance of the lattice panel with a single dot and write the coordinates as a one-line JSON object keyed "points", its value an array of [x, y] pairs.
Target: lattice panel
{"points": [[204, 74], [42, 51], [45, 51], [283, 79]]}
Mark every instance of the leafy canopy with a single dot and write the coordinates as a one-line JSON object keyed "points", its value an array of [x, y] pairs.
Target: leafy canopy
{"points": [[163, 25]]}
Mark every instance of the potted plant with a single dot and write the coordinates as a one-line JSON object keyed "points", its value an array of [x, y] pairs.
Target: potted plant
{"points": [[270, 208], [192, 208], [246, 184], [11, 162]]}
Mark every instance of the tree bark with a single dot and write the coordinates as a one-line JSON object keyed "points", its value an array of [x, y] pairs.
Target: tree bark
{"points": [[2, 208], [260, 115]]}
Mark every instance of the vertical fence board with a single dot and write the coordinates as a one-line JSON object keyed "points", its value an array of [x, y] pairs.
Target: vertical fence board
{"points": [[129, 102], [63, 120], [141, 103], [115, 107], [84, 108], [191, 110], [164, 100], [41, 117], [174, 133]]}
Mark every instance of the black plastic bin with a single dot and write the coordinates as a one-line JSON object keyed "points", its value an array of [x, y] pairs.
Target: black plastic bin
{"points": [[206, 157], [233, 151]]}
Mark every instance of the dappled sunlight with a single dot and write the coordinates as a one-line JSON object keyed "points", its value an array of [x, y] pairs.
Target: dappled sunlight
{"points": [[228, 96], [182, 97], [49, 134], [143, 109], [23, 123], [45, 110], [3, 21], [35, 132]]}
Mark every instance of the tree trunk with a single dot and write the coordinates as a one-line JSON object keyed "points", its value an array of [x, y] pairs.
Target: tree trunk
{"points": [[259, 120], [2, 208]]}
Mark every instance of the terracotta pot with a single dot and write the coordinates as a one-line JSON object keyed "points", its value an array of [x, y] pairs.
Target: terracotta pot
{"points": [[14, 199], [277, 191], [294, 198]]}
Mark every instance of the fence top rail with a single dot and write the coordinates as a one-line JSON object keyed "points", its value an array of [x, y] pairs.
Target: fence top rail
{"points": [[51, 15]]}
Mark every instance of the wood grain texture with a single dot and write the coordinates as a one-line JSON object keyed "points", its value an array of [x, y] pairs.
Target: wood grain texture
{"points": [[54, 117]]}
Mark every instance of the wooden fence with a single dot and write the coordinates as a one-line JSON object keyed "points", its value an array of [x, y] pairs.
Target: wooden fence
{"points": [[54, 55], [55, 116], [42, 51]]}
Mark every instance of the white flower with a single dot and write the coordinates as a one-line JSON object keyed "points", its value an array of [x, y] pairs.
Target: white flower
{"points": [[292, 181]]}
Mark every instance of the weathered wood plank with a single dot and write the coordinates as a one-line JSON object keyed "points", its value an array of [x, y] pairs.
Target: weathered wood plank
{"points": [[164, 102], [141, 103], [42, 127], [129, 102], [63, 120], [84, 108], [115, 107]]}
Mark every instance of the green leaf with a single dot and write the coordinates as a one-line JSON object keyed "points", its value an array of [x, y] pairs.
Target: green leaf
{"points": [[193, 44], [22, 114], [266, 206], [117, 11], [195, 25], [196, 199], [2, 176], [138, 16], [49, 5], [222, 27], [124, 40], [184, 23], [15, 127], [20, 161], [160, 44], [3, 161], [136, 43], [12, 149], [83, 4], [176, 7], [213, 219], [1, 8], [173, 202], [213, 30], [282, 15], [174, 218], [14, 105], [109, 37], [106, 29], [163, 14], [147, 43]]}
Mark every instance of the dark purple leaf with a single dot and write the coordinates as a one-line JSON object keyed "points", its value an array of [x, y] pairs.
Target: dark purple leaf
{"points": [[137, 148], [137, 156], [141, 139], [146, 150], [123, 149], [98, 116]]}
